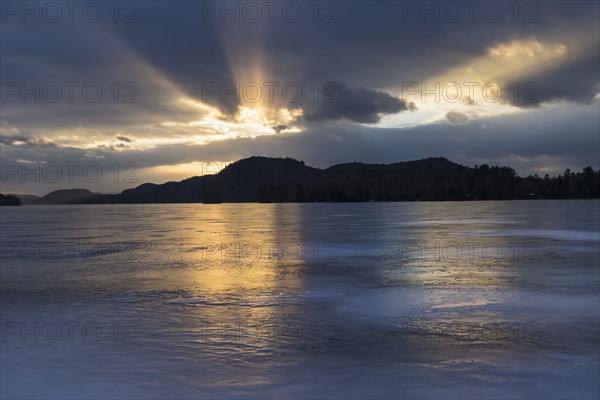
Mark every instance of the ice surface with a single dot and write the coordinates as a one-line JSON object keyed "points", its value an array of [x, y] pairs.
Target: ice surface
{"points": [[301, 301]]}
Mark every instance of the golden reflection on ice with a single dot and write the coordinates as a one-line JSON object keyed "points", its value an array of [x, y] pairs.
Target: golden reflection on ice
{"points": [[247, 266]]}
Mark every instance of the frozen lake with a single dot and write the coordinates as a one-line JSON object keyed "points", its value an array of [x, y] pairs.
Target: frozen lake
{"points": [[374, 300]]}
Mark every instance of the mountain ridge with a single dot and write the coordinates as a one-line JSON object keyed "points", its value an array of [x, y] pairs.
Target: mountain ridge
{"points": [[267, 179]]}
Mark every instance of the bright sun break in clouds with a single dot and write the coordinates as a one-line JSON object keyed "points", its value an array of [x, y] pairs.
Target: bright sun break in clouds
{"points": [[476, 88]]}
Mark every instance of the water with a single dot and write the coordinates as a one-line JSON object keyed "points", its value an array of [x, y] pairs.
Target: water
{"points": [[376, 300]]}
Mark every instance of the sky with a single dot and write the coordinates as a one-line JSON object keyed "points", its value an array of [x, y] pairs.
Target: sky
{"points": [[106, 96]]}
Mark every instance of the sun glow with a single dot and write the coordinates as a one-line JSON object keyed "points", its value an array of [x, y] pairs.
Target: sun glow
{"points": [[248, 122], [488, 84]]}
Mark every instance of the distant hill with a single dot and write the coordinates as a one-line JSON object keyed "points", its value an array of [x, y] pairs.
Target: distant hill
{"points": [[65, 196], [263, 179], [26, 198]]}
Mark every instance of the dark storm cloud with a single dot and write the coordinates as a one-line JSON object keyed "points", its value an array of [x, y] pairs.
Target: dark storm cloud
{"points": [[355, 104], [123, 138], [374, 45], [173, 39], [27, 141], [58, 76], [577, 81]]}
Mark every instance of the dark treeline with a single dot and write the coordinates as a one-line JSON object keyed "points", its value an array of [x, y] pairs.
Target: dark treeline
{"points": [[9, 200], [276, 180], [433, 180], [287, 180]]}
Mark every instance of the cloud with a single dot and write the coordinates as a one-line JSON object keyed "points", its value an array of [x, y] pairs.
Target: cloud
{"points": [[22, 140], [467, 100], [531, 48], [575, 80], [355, 104], [280, 128], [123, 138], [457, 118], [367, 49]]}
